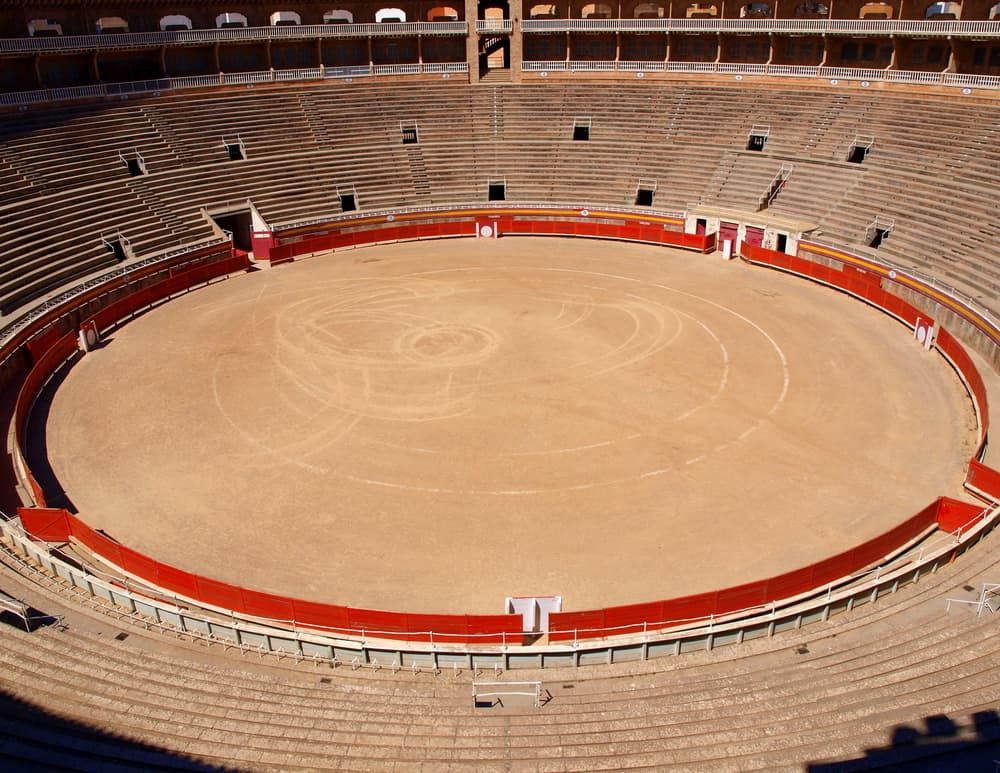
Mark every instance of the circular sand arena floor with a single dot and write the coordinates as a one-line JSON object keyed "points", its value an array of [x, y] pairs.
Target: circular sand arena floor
{"points": [[431, 427]]}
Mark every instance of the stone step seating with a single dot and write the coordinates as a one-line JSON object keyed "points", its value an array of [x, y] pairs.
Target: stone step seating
{"points": [[813, 190], [14, 186], [343, 116], [586, 731], [931, 224], [672, 134], [741, 184], [41, 226], [74, 150], [268, 122], [61, 235], [758, 706]]}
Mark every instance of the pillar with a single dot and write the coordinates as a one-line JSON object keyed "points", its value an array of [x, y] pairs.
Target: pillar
{"points": [[516, 39], [472, 40]]}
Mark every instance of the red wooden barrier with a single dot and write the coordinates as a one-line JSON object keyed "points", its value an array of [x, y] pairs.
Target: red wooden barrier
{"points": [[45, 523], [50, 350]]}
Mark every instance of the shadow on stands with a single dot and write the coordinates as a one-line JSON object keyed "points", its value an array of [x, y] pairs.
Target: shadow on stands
{"points": [[37, 449], [941, 746], [34, 739], [24, 617]]}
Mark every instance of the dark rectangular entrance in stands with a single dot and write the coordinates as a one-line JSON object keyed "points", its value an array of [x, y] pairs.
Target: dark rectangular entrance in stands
{"points": [[239, 224]]}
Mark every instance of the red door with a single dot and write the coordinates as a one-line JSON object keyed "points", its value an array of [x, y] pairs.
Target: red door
{"points": [[727, 232], [754, 236]]}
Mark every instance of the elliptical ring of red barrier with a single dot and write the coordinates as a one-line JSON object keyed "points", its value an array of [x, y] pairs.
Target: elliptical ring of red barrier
{"points": [[947, 514]]}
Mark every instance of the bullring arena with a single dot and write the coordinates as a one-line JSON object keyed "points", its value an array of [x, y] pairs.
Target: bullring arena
{"points": [[337, 343], [456, 423]]}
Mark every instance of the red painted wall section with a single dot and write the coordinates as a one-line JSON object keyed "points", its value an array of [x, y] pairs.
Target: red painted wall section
{"points": [[463, 223], [984, 479], [954, 515], [45, 523], [59, 525], [948, 344], [564, 626], [261, 243]]}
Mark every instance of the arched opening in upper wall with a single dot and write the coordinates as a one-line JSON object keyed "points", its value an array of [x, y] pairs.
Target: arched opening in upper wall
{"points": [[226, 20], [390, 15], [810, 10], [442, 13], [699, 11], [544, 11], [175, 22], [943, 10], [755, 11], [995, 11], [876, 11], [44, 28], [285, 19], [111, 25], [649, 11], [338, 16], [596, 11]]}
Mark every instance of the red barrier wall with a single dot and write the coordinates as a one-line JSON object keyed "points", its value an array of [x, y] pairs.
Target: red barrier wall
{"points": [[564, 626], [330, 617], [984, 479], [947, 514], [955, 352], [955, 515], [652, 230], [45, 523], [45, 365]]}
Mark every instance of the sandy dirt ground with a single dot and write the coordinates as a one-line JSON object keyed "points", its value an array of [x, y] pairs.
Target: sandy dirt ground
{"points": [[434, 426]]}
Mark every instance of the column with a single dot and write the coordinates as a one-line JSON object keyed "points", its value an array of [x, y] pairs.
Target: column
{"points": [[472, 40], [516, 39]]}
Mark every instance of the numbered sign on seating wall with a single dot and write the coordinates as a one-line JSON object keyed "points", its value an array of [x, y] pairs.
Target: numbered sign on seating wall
{"points": [[923, 331], [89, 335]]}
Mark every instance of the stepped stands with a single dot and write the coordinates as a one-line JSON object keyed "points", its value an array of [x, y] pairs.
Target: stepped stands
{"points": [[306, 143], [826, 693]]}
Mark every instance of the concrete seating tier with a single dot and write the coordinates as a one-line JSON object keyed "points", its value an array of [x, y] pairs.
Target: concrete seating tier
{"points": [[829, 692]]}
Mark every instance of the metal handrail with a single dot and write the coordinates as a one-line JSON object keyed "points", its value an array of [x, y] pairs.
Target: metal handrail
{"points": [[939, 28], [229, 34], [966, 80]]}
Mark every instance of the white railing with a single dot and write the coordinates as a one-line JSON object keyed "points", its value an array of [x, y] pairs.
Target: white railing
{"points": [[244, 78], [229, 34], [284, 637], [642, 66], [312, 74], [798, 71], [9, 331], [765, 26], [500, 689], [396, 69], [589, 66], [495, 26], [739, 67], [150, 607], [585, 210], [445, 67], [226, 79], [943, 28]]}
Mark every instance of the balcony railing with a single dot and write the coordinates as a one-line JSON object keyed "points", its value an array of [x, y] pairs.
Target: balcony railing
{"points": [[159, 85], [764, 26], [740, 69], [126, 40], [229, 34], [494, 26]]}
